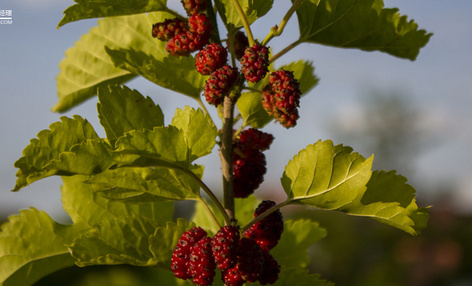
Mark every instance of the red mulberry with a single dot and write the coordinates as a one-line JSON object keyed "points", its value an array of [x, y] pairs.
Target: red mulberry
{"points": [[266, 232], [248, 172], [201, 265], [281, 98], [197, 36], [270, 269], [219, 84], [211, 58], [225, 245], [166, 30], [182, 250], [194, 6], [254, 63]]}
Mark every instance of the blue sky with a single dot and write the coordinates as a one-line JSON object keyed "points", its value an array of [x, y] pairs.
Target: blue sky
{"points": [[439, 82]]}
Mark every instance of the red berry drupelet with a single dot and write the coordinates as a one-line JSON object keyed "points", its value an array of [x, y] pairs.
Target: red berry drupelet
{"points": [[201, 265], [220, 84], [281, 97], [182, 250], [194, 6], [211, 58], [168, 29], [255, 62], [266, 232], [225, 246]]}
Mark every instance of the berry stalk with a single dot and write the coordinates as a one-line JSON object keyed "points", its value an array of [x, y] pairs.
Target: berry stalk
{"points": [[285, 50], [226, 156]]}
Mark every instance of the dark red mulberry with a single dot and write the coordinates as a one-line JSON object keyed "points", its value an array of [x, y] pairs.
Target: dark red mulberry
{"points": [[255, 62], [220, 84], [225, 245], [241, 43], [248, 171], [256, 139], [266, 232], [181, 254], [270, 269], [201, 265], [211, 58]]}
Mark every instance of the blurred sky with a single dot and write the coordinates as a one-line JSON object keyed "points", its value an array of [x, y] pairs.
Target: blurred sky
{"points": [[439, 83]]}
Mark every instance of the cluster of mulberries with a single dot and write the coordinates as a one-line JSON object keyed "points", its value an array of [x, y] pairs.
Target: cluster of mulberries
{"points": [[241, 259], [281, 97], [249, 163], [185, 36]]}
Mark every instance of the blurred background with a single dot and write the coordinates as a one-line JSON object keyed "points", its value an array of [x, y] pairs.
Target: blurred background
{"points": [[414, 116]]}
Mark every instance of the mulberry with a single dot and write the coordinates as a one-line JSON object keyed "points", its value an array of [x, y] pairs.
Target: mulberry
{"points": [[201, 265], [197, 36], [181, 254], [168, 29], [270, 269], [253, 138], [194, 6], [220, 84], [266, 232], [281, 97], [211, 58], [248, 171], [255, 62], [225, 245], [241, 43]]}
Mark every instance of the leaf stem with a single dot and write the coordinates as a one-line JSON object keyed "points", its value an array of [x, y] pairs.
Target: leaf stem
{"points": [[246, 25], [207, 208], [278, 30], [226, 156], [264, 214], [285, 50]]}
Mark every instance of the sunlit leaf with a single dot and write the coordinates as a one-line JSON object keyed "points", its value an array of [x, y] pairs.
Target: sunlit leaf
{"points": [[88, 67], [333, 178], [122, 109], [60, 137], [86, 9], [362, 24], [253, 9], [175, 73], [32, 246]]}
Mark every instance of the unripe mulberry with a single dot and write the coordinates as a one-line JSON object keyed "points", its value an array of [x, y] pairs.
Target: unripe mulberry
{"points": [[194, 6], [181, 254], [256, 139], [281, 98], [166, 30], [270, 269], [220, 84], [266, 232], [201, 265], [211, 58], [255, 62], [248, 172], [225, 245]]}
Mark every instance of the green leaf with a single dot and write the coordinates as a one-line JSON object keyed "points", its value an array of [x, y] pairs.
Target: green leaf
{"points": [[175, 73], [88, 67], [60, 137], [164, 240], [122, 109], [362, 24], [333, 178], [200, 132], [32, 246], [390, 200], [86, 206], [87, 9], [162, 183], [297, 237], [253, 9], [250, 103], [116, 241]]}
